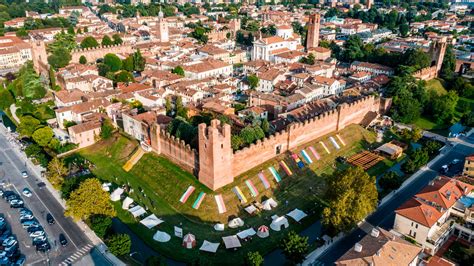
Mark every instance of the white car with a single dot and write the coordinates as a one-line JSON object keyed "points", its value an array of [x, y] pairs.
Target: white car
{"points": [[9, 241], [26, 192], [37, 234], [24, 174]]}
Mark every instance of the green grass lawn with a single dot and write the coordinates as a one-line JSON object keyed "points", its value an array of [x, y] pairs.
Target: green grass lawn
{"points": [[436, 85], [158, 185]]}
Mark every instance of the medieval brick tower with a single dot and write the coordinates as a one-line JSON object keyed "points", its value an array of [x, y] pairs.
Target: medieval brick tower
{"points": [[437, 51], [215, 155], [40, 57], [162, 25], [312, 38]]}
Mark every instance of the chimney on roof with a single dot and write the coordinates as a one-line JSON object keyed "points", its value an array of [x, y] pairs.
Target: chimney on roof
{"points": [[357, 247], [375, 232]]}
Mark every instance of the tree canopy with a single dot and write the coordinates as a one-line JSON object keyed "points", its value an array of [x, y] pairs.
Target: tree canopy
{"points": [[295, 247], [119, 244], [89, 42], [56, 172], [113, 61], [89, 199], [352, 195], [43, 136], [178, 71]]}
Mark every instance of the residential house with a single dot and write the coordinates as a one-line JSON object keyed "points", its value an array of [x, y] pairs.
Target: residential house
{"points": [[431, 216]]}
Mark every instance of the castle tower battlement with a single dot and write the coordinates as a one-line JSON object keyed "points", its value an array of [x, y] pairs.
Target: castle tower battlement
{"points": [[215, 155]]}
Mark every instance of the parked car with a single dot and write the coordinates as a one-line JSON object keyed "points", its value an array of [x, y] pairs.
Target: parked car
{"points": [[26, 192], [44, 247], [16, 204], [7, 193], [50, 218], [39, 240], [62, 240], [27, 217], [37, 234], [9, 241], [30, 223], [24, 174], [6, 234], [34, 228], [24, 211], [455, 161], [13, 197]]}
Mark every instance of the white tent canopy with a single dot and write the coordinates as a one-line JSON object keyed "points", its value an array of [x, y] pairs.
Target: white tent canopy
{"points": [[209, 246], [246, 233], [151, 221], [161, 237], [126, 203], [231, 242], [250, 209], [237, 222], [278, 223], [137, 211], [297, 214], [106, 186], [219, 227], [269, 204], [115, 196]]}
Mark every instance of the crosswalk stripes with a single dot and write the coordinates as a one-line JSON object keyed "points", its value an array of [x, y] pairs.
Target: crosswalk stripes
{"points": [[77, 255]]}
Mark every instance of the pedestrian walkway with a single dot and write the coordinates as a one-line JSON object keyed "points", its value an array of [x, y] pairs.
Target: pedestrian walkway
{"points": [[80, 253]]}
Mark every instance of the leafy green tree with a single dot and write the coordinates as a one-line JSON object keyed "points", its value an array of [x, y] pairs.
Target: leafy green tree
{"points": [[6, 99], [168, 107], [353, 48], [119, 244], [43, 136], [106, 130], [70, 30], [416, 159], [106, 41], [117, 39], [100, 224], [113, 62], [404, 29], [449, 64], [236, 142], [56, 172], [22, 33], [124, 76], [254, 259], [265, 126], [352, 195], [416, 58], [89, 199], [127, 64], [443, 108], [59, 58], [82, 60], [432, 147], [390, 181], [138, 61], [295, 247], [32, 150], [103, 69], [181, 110], [178, 71], [28, 125], [62, 40], [253, 81], [89, 42]]}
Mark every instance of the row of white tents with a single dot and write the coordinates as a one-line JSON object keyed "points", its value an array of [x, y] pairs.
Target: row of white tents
{"points": [[230, 242]]}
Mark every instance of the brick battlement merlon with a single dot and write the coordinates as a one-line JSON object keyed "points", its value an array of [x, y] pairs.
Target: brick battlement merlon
{"points": [[176, 141], [81, 50]]}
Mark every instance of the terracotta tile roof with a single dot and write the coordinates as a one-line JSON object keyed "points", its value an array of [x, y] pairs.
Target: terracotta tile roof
{"points": [[444, 191], [273, 39], [206, 65], [212, 50], [418, 211], [291, 54], [88, 126], [132, 87], [385, 249], [69, 96]]}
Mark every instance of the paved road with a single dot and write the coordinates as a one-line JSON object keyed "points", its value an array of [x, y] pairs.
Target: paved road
{"points": [[42, 203], [384, 215]]}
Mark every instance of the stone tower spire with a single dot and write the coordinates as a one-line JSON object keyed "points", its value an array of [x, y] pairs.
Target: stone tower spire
{"points": [[312, 39], [162, 33]]}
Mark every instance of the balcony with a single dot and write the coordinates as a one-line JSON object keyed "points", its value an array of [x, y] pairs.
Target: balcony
{"points": [[439, 235]]}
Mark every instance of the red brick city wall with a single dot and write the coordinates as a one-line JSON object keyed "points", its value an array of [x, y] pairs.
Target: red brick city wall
{"points": [[174, 149], [301, 133], [216, 165]]}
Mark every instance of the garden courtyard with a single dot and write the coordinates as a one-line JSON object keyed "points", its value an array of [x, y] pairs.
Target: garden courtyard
{"points": [[158, 185]]}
